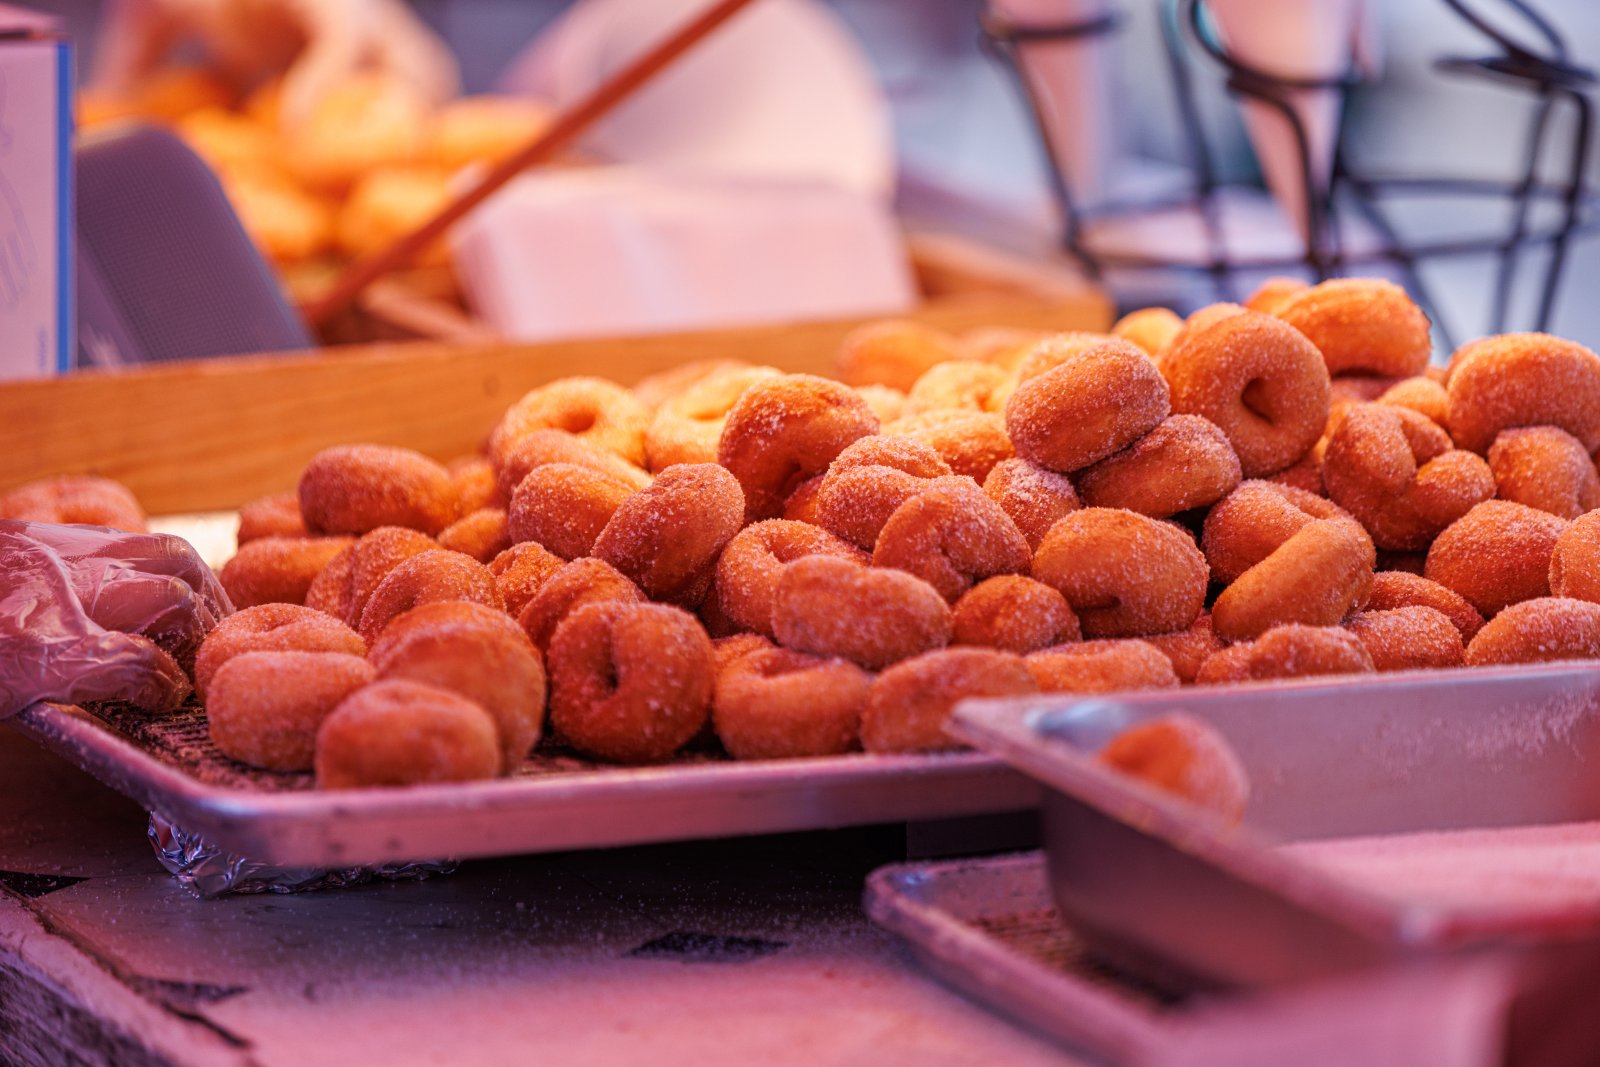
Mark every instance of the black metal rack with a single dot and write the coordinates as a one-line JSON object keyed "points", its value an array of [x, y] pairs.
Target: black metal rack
{"points": [[1544, 70]]}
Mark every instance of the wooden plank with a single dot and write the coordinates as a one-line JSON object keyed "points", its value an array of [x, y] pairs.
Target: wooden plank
{"points": [[214, 434]]}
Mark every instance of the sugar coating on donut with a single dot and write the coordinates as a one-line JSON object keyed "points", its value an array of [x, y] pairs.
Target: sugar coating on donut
{"points": [[749, 568], [603, 413], [1274, 293], [1401, 589], [278, 570], [1575, 560], [894, 353], [1103, 666], [1124, 574], [869, 479], [277, 515], [1288, 651], [667, 538], [475, 483], [542, 447], [1496, 554], [961, 385], [1185, 462], [886, 403], [971, 442], [271, 628], [1034, 497], [1087, 407], [477, 652], [482, 534], [909, 704], [1541, 630], [687, 427], [353, 489], [1544, 467], [438, 574], [394, 733], [1053, 350], [1013, 613], [1409, 638], [656, 389], [801, 506], [869, 615], [1523, 379], [1250, 523], [1188, 649], [264, 708], [775, 703], [1316, 577], [75, 498], [564, 507], [1152, 329], [1186, 757], [630, 682], [951, 535], [785, 430], [520, 571], [1361, 324], [1421, 394], [580, 582]]}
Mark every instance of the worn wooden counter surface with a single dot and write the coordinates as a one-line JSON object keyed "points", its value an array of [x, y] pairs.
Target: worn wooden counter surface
{"points": [[747, 952]]}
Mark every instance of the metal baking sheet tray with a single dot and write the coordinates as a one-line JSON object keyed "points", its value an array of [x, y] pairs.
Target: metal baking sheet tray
{"points": [[555, 802], [1390, 816]]}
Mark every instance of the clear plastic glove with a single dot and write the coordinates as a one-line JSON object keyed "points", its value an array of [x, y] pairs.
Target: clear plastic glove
{"points": [[88, 613], [313, 44]]}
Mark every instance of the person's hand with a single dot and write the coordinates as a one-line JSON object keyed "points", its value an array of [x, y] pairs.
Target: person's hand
{"points": [[313, 44], [88, 614]]}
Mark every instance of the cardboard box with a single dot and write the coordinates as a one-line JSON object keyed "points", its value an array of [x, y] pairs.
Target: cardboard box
{"points": [[36, 266]]}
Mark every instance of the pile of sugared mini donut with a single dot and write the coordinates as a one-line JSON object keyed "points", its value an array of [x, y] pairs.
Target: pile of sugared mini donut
{"points": [[803, 566]]}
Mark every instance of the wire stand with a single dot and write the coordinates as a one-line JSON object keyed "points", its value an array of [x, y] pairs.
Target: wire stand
{"points": [[1545, 71]]}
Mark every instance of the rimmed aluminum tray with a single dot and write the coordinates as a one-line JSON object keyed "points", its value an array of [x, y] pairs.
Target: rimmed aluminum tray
{"points": [[169, 765], [1337, 768]]}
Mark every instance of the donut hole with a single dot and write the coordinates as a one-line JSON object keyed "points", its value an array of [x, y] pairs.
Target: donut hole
{"points": [[1255, 399], [577, 421]]}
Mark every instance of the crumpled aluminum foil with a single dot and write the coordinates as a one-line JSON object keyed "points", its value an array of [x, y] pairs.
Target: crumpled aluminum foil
{"points": [[208, 871]]}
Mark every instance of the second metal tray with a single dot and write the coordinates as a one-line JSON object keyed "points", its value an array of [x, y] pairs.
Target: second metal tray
{"points": [[169, 765]]}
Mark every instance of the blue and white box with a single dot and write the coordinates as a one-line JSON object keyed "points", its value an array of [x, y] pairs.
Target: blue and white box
{"points": [[36, 276]]}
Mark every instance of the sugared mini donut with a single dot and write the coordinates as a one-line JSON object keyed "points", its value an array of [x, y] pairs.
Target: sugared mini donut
{"points": [[278, 570], [477, 652], [1124, 574], [580, 582], [520, 571], [1396, 472], [271, 628], [264, 708], [481, 534], [1034, 497], [347, 582], [424, 578], [1107, 666], [541, 447], [971, 442], [656, 389], [687, 427], [1316, 577], [785, 430], [775, 703], [961, 385], [352, 489], [1274, 293], [277, 515], [1288, 651], [1575, 560], [564, 507], [630, 682], [81, 499], [748, 571], [894, 353], [603, 413], [1188, 649], [1546, 468], [1004, 346], [870, 615], [1523, 379], [1093, 403], [1405, 639], [1251, 522], [868, 480], [667, 538], [1181, 755], [1152, 329], [802, 503], [1055, 349], [951, 535], [397, 732], [476, 485], [886, 403], [1420, 394], [1400, 589], [726, 650], [1540, 630], [1186, 462], [1496, 554], [1013, 613], [909, 704], [1257, 378], [1361, 325]]}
